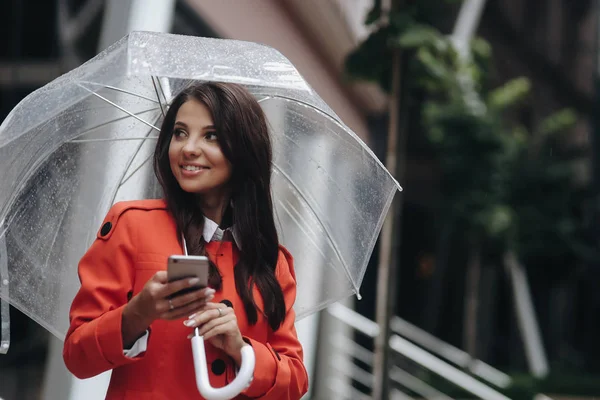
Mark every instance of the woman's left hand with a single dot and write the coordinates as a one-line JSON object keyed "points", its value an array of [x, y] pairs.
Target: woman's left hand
{"points": [[218, 325]]}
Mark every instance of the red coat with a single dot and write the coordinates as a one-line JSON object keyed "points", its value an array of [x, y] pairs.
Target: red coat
{"points": [[135, 240]]}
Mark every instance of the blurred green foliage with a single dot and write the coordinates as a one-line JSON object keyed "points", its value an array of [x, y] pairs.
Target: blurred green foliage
{"points": [[509, 187]]}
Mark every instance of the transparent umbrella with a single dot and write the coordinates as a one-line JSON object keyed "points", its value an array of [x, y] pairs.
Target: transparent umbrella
{"points": [[74, 147]]}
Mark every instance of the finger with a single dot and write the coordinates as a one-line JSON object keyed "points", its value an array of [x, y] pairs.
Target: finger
{"points": [[163, 308], [202, 329], [225, 325], [208, 306], [206, 295], [211, 306], [222, 329], [222, 325], [184, 311], [173, 287], [160, 277], [209, 312]]}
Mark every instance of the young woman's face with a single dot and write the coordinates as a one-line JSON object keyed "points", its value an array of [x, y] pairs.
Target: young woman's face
{"points": [[196, 159]]}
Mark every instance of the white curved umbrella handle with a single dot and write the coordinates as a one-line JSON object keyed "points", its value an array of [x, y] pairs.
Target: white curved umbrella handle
{"points": [[241, 381]]}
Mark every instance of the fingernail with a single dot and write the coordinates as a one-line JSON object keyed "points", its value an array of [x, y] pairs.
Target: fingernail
{"points": [[189, 322], [192, 316], [209, 291], [210, 297], [194, 281]]}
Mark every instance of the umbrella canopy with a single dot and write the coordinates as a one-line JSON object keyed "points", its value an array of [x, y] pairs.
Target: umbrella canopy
{"points": [[74, 147]]}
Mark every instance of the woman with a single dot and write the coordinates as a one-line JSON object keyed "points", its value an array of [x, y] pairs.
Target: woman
{"points": [[213, 160]]}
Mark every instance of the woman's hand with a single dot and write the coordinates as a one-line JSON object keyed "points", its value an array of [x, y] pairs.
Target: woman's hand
{"points": [[154, 302], [218, 325]]}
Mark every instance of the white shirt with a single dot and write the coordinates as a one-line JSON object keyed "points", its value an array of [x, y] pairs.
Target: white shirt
{"points": [[211, 233]]}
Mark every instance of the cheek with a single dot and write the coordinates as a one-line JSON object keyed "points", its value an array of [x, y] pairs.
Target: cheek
{"points": [[216, 157], [172, 153], [221, 162]]}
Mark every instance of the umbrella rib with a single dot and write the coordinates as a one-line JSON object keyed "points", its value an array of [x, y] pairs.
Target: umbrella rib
{"points": [[293, 217], [134, 171], [105, 124], [111, 140], [119, 107], [334, 245], [56, 233], [116, 89], [121, 182], [339, 124], [162, 90], [158, 94], [304, 103]]}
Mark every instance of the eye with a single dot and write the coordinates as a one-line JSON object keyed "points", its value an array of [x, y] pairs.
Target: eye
{"points": [[178, 132], [211, 136]]}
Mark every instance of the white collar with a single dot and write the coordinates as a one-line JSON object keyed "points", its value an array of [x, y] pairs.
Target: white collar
{"points": [[212, 232]]}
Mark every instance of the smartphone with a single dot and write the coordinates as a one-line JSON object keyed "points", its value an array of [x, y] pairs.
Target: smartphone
{"points": [[185, 267]]}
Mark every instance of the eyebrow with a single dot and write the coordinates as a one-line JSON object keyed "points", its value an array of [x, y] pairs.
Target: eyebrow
{"points": [[183, 124]]}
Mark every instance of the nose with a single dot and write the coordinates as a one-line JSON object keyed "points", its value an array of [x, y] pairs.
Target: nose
{"points": [[191, 148]]}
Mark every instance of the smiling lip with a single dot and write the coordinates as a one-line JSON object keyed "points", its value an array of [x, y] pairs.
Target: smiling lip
{"points": [[192, 169]]}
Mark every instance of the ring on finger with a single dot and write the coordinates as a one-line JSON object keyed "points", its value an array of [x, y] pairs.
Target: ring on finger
{"points": [[220, 312], [171, 305]]}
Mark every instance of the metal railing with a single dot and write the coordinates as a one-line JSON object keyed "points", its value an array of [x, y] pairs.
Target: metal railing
{"points": [[420, 348], [450, 353]]}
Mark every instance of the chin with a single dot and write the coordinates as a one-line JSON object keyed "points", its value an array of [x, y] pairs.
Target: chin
{"points": [[201, 188], [198, 189], [193, 189]]}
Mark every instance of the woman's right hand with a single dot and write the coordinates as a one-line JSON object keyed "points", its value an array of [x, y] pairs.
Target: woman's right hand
{"points": [[153, 303]]}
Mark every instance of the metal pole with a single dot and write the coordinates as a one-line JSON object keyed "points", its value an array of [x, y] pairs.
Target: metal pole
{"points": [[464, 30], [386, 276], [465, 27], [526, 318]]}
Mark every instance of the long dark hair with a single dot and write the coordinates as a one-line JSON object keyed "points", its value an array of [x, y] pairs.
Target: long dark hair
{"points": [[243, 136]]}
